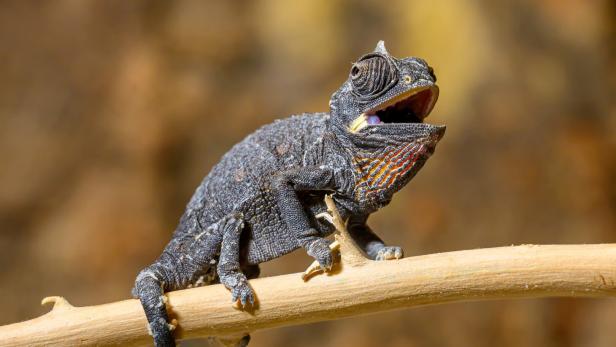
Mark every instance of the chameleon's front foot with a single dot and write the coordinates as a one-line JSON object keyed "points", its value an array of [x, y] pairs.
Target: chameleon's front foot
{"points": [[320, 251], [389, 253]]}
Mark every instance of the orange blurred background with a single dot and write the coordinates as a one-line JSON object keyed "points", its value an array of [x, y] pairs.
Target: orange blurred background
{"points": [[111, 112]]}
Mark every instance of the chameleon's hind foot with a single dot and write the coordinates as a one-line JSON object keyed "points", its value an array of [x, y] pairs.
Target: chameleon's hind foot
{"points": [[241, 293], [389, 253]]}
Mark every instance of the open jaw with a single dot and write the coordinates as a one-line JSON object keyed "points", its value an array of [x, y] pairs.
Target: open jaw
{"points": [[409, 107]]}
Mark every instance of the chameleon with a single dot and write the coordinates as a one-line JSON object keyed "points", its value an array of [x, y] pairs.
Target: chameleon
{"points": [[262, 199]]}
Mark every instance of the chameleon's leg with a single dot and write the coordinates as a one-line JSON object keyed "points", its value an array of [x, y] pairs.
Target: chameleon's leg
{"points": [[286, 184], [229, 270], [371, 244], [183, 261]]}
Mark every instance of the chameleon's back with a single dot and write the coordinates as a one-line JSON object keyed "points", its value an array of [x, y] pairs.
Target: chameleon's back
{"points": [[242, 175]]}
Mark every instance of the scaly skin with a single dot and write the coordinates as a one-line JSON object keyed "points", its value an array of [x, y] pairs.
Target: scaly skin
{"points": [[260, 201]]}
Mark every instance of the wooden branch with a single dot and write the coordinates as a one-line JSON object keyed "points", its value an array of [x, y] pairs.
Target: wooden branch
{"points": [[365, 287], [494, 273]]}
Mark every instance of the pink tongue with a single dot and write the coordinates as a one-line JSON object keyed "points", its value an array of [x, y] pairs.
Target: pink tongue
{"points": [[372, 120]]}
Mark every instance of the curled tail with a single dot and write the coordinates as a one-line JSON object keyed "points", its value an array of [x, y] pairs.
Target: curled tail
{"points": [[188, 259], [149, 289]]}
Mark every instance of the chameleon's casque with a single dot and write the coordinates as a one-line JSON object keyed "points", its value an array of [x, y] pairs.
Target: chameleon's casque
{"points": [[261, 200]]}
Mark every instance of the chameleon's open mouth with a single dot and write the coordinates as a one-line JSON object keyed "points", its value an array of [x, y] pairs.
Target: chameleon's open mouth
{"points": [[409, 107]]}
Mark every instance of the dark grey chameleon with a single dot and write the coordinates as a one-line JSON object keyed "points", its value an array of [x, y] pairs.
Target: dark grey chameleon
{"points": [[260, 201]]}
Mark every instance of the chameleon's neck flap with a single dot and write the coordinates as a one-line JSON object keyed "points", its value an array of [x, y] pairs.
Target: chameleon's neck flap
{"points": [[384, 171]]}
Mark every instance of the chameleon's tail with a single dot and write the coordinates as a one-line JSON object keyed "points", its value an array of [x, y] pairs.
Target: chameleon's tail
{"points": [[149, 289], [187, 259]]}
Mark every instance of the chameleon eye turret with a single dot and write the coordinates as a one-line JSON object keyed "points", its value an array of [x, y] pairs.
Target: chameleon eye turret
{"points": [[372, 76]]}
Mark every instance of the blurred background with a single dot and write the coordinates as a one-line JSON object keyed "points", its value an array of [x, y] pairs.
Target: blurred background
{"points": [[111, 112]]}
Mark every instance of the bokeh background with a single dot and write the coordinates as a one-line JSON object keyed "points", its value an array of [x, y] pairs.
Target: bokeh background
{"points": [[111, 112]]}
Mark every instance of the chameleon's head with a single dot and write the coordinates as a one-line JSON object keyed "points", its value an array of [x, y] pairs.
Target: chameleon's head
{"points": [[386, 98], [380, 108]]}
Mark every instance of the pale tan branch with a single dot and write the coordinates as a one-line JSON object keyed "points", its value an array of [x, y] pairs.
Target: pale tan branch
{"points": [[494, 273], [354, 286]]}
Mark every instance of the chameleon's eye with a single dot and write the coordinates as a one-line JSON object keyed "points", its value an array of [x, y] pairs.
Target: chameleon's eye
{"points": [[372, 76]]}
